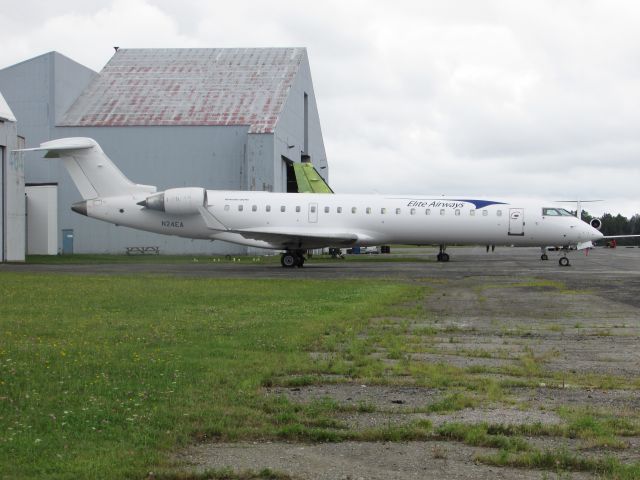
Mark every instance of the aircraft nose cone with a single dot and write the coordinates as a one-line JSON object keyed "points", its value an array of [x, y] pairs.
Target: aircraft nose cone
{"points": [[80, 207], [596, 235]]}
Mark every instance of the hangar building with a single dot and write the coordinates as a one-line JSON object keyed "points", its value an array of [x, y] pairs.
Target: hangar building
{"points": [[216, 118], [12, 201]]}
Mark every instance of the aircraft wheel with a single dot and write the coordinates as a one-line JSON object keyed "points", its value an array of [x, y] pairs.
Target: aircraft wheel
{"points": [[439, 257], [288, 260], [564, 262], [544, 256], [299, 261], [445, 257]]}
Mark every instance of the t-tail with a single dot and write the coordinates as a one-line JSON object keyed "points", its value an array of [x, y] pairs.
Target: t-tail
{"points": [[94, 174]]}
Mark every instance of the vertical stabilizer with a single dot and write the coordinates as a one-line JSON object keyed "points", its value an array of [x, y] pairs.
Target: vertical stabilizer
{"points": [[91, 170]]}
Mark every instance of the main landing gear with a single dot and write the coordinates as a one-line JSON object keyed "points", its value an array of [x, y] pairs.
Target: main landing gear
{"points": [[442, 256], [292, 258], [563, 261]]}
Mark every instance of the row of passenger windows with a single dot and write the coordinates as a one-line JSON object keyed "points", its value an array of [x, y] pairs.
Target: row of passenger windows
{"points": [[367, 210]]}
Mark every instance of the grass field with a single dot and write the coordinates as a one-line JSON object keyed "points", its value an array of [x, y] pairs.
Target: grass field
{"points": [[101, 377]]}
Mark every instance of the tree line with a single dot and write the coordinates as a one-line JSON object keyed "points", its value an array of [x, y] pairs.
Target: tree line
{"points": [[618, 225]]}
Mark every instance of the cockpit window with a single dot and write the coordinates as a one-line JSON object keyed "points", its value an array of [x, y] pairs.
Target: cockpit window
{"points": [[556, 212]]}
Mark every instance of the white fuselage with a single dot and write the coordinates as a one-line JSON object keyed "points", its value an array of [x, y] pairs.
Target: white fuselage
{"points": [[370, 219]]}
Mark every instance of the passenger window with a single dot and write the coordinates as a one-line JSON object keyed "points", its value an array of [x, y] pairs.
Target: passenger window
{"points": [[339, 210], [485, 213], [442, 211], [226, 208], [368, 210], [428, 211], [457, 212], [354, 209], [499, 213], [412, 211], [313, 209], [472, 213], [326, 209], [268, 208], [254, 208], [282, 208], [298, 208], [240, 208], [398, 211], [383, 210]]}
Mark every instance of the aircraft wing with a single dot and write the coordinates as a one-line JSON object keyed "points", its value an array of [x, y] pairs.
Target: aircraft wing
{"points": [[301, 237], [619, 236]]}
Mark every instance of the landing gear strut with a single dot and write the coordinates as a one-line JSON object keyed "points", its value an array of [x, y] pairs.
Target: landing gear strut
{"points": [[292, 258], [442, 256], [544, 255]]}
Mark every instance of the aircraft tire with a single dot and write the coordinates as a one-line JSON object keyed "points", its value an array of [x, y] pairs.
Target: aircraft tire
{"points": [[299, 261], [288, 260], [544, 256], [564, 262], [439, 257], [445, 257]]}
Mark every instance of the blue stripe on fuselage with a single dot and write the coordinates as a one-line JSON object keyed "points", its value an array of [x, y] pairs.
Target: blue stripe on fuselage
{"points": [[478, 203]]}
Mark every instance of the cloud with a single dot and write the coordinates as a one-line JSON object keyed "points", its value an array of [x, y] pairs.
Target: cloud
{"points": [[537, 98]]}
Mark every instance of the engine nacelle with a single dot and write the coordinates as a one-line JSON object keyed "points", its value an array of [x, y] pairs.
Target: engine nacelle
{"points": [[596, 223], [177, 201]]}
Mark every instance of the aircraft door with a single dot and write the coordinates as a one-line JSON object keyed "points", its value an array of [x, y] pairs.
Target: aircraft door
{"points": [[313, 213], [516, 221]]}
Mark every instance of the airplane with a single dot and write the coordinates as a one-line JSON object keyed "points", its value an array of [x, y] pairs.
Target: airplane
{"points": [[297, 222]]}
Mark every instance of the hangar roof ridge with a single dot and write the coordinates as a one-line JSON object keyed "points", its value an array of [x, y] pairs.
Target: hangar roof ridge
{"points": [[189, 86]]}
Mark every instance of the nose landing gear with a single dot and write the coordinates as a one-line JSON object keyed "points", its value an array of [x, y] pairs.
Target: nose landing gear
{"points": [[442, 256], [564, 261]]}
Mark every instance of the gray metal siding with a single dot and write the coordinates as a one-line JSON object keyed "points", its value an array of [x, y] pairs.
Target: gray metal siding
{"points": [[289, 132], [12, 204]]}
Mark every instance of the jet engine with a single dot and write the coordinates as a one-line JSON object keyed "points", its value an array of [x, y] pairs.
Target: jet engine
{"points": [[596, 223], [177, 201]]}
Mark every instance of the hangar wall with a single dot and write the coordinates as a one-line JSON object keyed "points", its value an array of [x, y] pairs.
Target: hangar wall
{"points": [[12, 202], [298, 130]]}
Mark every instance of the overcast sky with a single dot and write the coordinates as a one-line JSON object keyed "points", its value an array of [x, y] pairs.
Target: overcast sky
{"points": [[460, 97]]}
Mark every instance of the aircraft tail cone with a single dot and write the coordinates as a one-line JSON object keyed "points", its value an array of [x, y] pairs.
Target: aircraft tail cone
{"points": [[80, 207]]}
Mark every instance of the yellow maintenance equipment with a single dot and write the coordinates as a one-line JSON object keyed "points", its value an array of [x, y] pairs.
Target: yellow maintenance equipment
{"points": [[309, 180]]}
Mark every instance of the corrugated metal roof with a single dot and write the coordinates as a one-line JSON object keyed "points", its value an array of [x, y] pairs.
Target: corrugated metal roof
{"points": [[216, 86]]}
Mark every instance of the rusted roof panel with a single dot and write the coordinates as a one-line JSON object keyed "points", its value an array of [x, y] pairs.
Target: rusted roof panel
{"points": [[203, 86]]}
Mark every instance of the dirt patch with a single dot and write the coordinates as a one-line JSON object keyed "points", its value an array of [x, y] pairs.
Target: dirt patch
{"points": [[613, 400], [378, 397], [358, 460], [494, 416]]}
